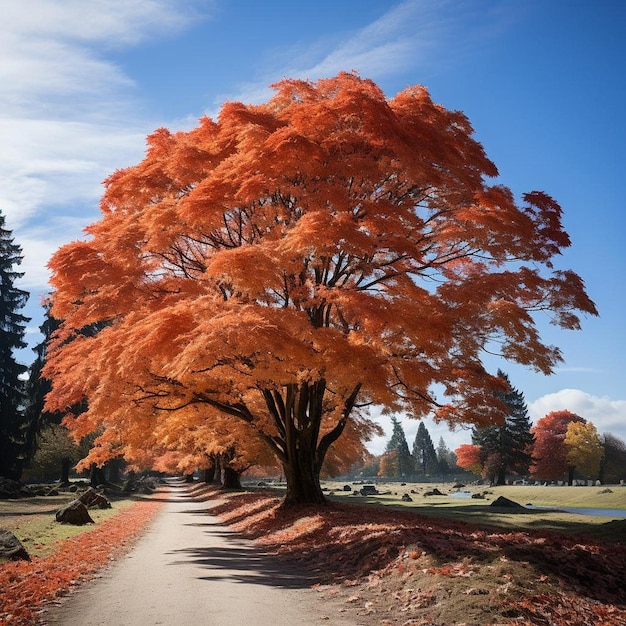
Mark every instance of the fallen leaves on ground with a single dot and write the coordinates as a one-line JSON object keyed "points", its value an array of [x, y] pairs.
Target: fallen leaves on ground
{"points": [[400, 567], [26, 585]]}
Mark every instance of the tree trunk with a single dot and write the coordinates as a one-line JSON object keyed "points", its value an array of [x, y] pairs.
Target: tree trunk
{"points": [[232, 478], [570, 475], [303, 479], [501, 477], [189, 478], [115, 470], [97, 476], [66, 464], [208, 474]]}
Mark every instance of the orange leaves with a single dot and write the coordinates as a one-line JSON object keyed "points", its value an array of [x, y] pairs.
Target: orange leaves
{"points": [[328, 235]]}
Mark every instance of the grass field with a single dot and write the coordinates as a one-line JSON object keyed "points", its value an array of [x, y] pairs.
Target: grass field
{"points": [[480, 511], [32, 521]]}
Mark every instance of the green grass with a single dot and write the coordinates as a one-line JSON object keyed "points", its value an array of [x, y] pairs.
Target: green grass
{"points": [[32, 521], [479, 511]]}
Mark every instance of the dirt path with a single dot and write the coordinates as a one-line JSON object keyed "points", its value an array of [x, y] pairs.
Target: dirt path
{"points": [[189, 569]]}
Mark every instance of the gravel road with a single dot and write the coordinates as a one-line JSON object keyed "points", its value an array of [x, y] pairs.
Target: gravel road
{"points": [[190, 570]]}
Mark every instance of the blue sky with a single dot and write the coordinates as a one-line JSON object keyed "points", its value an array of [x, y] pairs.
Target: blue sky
{"points": [[542, 82]]}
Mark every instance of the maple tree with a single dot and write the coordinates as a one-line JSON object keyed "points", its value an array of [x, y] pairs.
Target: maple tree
{"points": [[468, 458], [291, 263], [550, 450]]}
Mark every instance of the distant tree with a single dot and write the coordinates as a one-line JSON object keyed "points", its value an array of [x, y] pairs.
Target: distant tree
{"points": [[549, 450], [13, 429], [371, 467], [37, 386], [424, 453], [388, 465], [468, 458], [56, 454], [446, 459], [613, 466], [506, 447], [584, 450], [399, 445]]}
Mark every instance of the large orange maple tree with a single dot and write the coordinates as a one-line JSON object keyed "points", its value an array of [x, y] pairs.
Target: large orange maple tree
{"points": [[290, 263]]}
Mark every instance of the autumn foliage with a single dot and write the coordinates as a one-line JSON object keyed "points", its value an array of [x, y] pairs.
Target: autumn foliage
{"points": [[25, 586], [290, 263], [550, 451]]}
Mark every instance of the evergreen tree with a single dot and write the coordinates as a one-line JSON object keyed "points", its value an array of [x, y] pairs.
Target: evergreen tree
{"points": [[37, 387], [12, 330], [446, 459], [506, 448], [399, 445], [424, 452]]}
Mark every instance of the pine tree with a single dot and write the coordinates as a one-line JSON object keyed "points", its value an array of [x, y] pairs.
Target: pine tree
{"points": [[399, 445], [12, 330], [46, 439], [424, 452], [446, 459], [506, 447]]}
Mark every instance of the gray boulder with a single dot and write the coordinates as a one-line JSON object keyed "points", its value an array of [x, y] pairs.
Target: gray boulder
{"points": [[75, 513], [11, 547]]}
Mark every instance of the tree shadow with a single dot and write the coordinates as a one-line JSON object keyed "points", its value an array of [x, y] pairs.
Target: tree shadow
{"points": [[243, 563]]}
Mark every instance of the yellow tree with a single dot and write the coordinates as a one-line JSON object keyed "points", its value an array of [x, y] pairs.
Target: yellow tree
{"points": [[584, 450], [292, 262]]}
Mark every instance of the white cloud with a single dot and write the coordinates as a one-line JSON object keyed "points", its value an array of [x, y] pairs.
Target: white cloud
{"points": [[67, 118], [607, 414]]}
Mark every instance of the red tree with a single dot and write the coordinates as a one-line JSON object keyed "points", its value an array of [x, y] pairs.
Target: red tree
{"points": [[550, 451]]}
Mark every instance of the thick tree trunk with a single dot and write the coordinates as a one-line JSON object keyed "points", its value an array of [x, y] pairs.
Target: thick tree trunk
{"points": [[303, 479], [232, 478]]}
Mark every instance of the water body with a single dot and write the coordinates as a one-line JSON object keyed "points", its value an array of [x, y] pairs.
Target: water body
{"points": [[614, 513]]}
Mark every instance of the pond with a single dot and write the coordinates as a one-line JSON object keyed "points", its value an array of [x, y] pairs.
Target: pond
{"points": [[614, 513]]}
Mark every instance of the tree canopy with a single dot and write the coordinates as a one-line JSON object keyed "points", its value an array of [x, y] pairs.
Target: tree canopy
{"points": [[550, 452], [292, 262]]}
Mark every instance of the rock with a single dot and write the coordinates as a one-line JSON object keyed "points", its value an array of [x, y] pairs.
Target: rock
{"points": [[52, 492], [368, 490], [478, 496], [503, 502], [347, 488], [434, 492], [91, 498], [406, 498], [13, 489], [75, 513], [11, 547]]}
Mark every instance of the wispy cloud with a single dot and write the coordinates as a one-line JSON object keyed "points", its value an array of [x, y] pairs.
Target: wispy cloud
{"points": [[425, 36], [68, 113]]}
